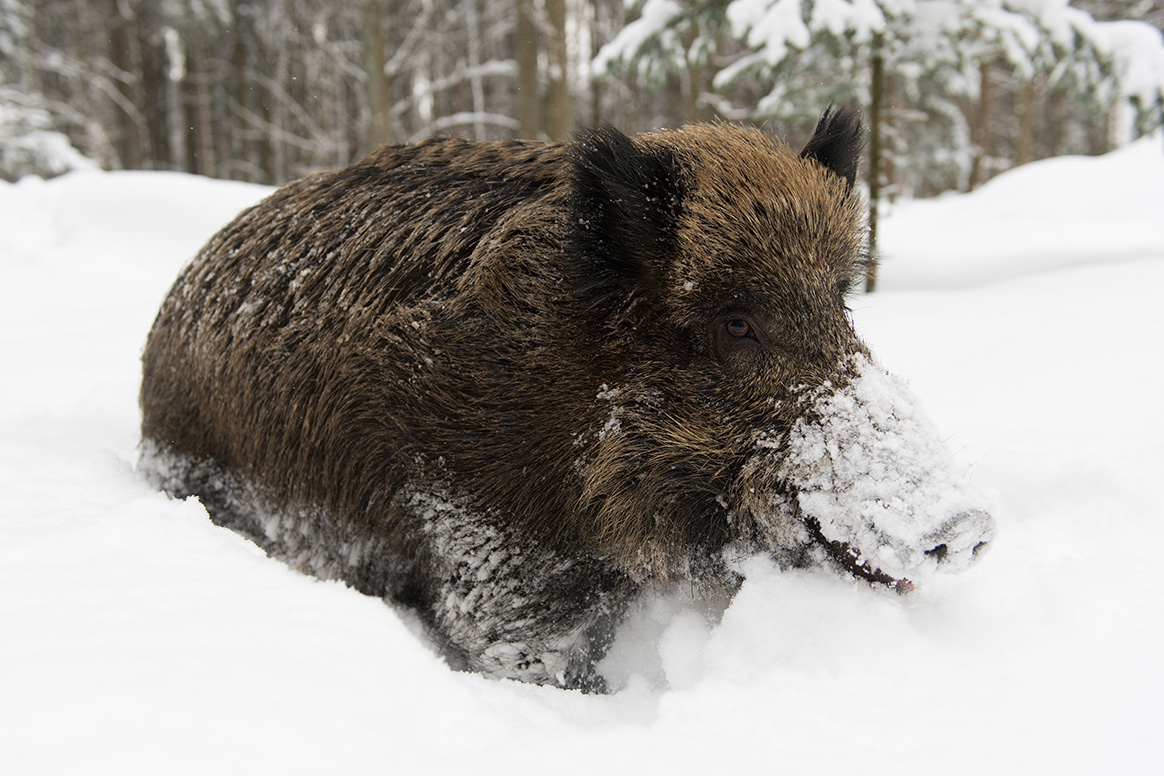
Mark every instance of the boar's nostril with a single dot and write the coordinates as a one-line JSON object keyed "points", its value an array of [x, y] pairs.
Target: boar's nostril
{"points": [[960, 540], [938, 553]]}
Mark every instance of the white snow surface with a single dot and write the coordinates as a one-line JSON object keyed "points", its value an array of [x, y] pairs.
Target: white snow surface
{"points": [[137, 637]]}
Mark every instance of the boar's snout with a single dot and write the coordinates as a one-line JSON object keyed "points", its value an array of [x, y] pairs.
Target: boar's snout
{"points": [[958, 542], [874, 484]]}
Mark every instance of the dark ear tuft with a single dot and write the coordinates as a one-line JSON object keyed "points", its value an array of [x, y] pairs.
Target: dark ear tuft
{"points": [[625, 204], [837, 141]]}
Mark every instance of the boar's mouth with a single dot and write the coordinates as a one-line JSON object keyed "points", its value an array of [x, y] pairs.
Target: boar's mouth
{"points": [[850, 560]]}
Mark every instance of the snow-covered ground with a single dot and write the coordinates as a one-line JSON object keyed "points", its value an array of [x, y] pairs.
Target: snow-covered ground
{"points": [[137, 637]]}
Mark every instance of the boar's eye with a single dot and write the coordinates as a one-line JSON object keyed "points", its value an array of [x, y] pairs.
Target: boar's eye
{"points": [[734, 337], [739, 328]]}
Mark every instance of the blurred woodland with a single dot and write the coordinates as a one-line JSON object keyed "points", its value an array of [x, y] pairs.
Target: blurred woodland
{"points": [[268, 90]]}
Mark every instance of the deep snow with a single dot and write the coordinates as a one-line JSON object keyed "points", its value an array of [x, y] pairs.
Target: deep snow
{"points": [[137, 637]]}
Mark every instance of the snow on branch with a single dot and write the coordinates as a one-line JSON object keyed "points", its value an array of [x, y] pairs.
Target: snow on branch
{"points": [[656, 21]]}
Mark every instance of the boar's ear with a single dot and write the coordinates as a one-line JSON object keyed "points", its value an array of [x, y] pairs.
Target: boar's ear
{"points": [[836, 142], [625, 204]]}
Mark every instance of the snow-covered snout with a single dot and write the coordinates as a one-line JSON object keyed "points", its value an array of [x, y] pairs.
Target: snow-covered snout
{"points": [[872, 482]]}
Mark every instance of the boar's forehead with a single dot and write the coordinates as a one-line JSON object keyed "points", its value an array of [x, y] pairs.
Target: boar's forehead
{"points": [[761, 225]]}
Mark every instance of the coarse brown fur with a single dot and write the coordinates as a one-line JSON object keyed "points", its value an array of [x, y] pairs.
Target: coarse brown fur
{"points": [[505, 383]]}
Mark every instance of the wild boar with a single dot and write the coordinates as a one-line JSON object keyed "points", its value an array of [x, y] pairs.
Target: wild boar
{"points": [[511, 385]]}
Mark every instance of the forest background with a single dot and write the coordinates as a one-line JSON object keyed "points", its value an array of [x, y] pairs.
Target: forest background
{"points": [[268, 90]]}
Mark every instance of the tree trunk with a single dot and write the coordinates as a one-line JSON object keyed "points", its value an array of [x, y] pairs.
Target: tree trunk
{"points": [[876, 97], [277, 116], [525, 54], [378, 85], [129, 139], [152, 66], [198, 77], [693, 79], [558, 110], [247, 163], [176, 108], [1025, 147], [978, 172], [1057, 139], [476, 82]]}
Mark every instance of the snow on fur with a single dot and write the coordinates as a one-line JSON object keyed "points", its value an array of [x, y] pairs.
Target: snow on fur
{"points": [[872, 471]]}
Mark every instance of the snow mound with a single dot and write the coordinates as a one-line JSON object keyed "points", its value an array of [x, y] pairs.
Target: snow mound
{"points": [[1047, 215]]}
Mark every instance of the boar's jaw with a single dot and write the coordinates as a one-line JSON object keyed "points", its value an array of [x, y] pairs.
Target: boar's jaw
{"points": [[875, 485], [851, 561]]}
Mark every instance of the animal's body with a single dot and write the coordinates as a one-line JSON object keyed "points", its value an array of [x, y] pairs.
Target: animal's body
{"points": [[513, 384]]}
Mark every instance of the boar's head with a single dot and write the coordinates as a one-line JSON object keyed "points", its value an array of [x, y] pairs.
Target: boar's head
{"points": [[735, 406]]}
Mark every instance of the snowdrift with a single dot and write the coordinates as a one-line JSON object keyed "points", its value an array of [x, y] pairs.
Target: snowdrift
{"points": [[137, 637]]}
